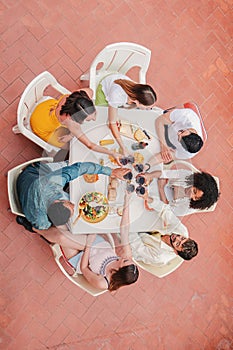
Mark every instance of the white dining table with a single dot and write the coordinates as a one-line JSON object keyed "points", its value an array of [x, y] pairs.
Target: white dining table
{"points": [[140, 218]]}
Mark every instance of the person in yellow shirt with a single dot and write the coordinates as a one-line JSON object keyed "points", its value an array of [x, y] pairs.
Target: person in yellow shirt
{"points": [[58, 121]]}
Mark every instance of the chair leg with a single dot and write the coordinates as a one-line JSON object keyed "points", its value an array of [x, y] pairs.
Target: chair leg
{"points": [[15, 129], [85, 76]]}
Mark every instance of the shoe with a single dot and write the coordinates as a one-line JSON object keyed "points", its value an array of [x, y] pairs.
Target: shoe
{"points": [[23, 221]]}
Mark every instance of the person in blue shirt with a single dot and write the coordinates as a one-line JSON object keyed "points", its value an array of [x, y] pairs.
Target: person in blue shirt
{"points": [[43, 199]]}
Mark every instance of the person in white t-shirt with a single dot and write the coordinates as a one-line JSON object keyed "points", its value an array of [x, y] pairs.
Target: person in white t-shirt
{"points": [[118, 90], [184, 135]]}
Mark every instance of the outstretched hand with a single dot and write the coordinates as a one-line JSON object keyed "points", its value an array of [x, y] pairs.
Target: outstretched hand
{"points": [[166, 154], [145, 196], [120, 173], [117, 157], [147, 200], [146, 177]]}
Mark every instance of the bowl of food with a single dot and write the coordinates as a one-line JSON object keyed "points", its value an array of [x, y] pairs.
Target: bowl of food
{"points": [[91, 178], [94, 207]]}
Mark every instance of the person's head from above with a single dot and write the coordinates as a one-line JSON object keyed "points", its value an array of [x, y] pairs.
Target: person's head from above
{"points": [[60, 211], [142, 95], [79, 107], [124, 272], [203, 190], [190, 140], [185, 247]]}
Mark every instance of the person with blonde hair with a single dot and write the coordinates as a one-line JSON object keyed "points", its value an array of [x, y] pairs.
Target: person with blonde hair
{"points": [[118, 90]]}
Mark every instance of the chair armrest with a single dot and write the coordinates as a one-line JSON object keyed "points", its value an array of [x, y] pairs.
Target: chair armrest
{"points": [[61, 89], [184, 163]]}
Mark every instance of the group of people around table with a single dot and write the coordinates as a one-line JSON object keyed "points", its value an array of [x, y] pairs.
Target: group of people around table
{"points": [[45, 201]]}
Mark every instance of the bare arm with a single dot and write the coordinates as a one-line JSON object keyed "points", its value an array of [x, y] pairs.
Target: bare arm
{"points": [[124, 228], [77, 132], [161, 185], [159, 127], [63, 237], [150, 176], [112, 118], [95, 280]]}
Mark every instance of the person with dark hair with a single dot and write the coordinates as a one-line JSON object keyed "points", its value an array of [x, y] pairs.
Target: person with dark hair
{"points": [[169, 237], [185, 191], [118, 90], [98, 261], [43, 199], [180, 135], [158, 249], [58, 121]]}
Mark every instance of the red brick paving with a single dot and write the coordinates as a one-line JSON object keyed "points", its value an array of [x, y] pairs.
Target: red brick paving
{"points": [[191, 59]]}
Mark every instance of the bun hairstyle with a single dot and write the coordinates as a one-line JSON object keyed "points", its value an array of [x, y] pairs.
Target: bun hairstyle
{"points": [[78, 106]]}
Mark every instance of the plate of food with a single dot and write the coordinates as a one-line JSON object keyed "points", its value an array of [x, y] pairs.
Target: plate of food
{"points": [[90, 178], [93, 207]]}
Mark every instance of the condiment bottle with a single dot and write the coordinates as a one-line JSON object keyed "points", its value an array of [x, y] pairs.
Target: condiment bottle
{"points": [[139, 145]]}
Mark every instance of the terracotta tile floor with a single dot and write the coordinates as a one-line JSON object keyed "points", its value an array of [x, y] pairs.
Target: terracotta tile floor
{"points": [[191, 59]]}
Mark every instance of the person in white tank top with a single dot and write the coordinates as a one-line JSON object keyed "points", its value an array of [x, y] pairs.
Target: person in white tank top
{"points": [[98, 261]]}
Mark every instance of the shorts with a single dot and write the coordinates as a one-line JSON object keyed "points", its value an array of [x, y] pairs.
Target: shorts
{"points": [[75, 259]]}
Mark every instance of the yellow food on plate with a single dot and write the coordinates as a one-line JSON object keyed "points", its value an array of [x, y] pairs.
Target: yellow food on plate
{"points": [[93, 206], [139, 159], [106, 142], [139, 135], [91, 177], [113, 160]]}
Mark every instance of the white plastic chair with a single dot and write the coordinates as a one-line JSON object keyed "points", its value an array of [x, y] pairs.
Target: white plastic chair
{"points": [[78, 279], [12, 176], [192, 105], [118, 58], [182, 164], [195, 108], [161, 271], [31, 97]]}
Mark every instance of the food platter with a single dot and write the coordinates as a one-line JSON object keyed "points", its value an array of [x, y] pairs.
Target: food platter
{"points": [[93, 207]]}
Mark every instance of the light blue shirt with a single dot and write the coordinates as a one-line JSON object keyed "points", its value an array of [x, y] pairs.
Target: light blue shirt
{"points": [[38, 187]]}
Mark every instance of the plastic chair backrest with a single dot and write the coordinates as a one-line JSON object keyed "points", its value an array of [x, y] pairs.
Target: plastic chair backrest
{"points": [[195, 108], [12, 176], [78, 279], [190, 166], [31, 97], [120, 58], [163, 270]]}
